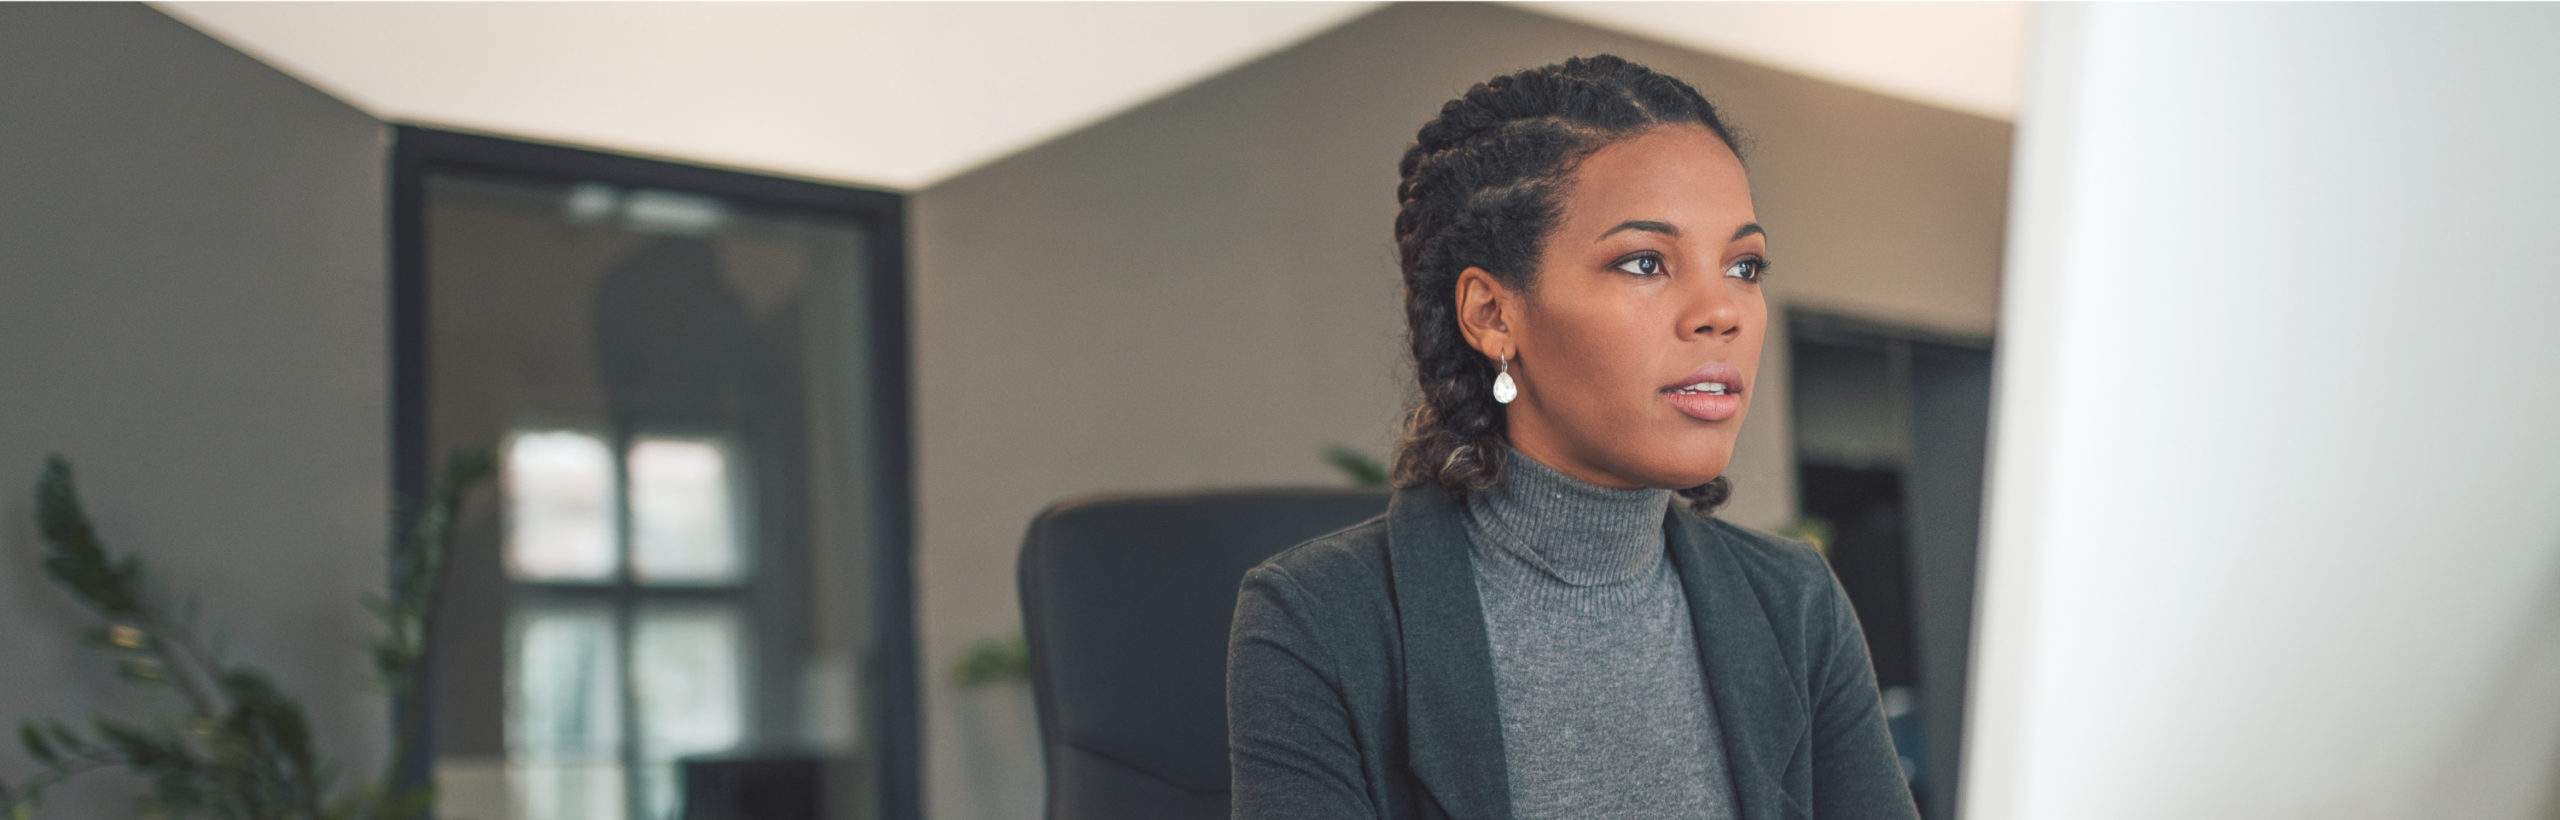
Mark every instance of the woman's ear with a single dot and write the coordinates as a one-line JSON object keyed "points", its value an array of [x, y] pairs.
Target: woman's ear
{"points": [[1485, 308]]}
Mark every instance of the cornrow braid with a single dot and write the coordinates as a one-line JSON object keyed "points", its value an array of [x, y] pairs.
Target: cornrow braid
{"points": [[1482, 185]]}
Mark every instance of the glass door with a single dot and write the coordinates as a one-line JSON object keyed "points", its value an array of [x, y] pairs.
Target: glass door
{"points": [[692, 600]]}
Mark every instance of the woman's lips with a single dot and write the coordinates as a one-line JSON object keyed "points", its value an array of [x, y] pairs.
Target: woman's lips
{"points": [[1705, 406]]}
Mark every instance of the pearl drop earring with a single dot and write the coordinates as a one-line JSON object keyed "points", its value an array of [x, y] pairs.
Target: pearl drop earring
{"points": [[1504, 389]]}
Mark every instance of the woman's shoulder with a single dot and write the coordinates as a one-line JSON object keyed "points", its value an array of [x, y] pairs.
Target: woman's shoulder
{"points": [[1796, 587], [1334, 566], [1329, 597], [1788, 575], [1759, 552]]}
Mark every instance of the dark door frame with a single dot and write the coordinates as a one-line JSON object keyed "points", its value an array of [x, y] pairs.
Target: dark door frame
{"points": [[417, 152], [1943, 711]]}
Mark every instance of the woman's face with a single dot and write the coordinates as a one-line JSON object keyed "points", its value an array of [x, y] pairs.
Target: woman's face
{"points": [[1650, 277]]}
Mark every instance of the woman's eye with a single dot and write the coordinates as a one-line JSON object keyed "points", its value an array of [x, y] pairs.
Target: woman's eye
{"points": [[1757, 266], [1642, 265]]}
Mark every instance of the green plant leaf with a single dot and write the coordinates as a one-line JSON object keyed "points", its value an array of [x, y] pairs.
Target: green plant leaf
{"points": [[264, 715], [1813, 531], [68, 740], [142, 670], [993, 660], [135, 744], [1358, 466], [74, 556], [37, 747]]}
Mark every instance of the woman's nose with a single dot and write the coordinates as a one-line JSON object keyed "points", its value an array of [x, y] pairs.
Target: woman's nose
{"points": [[1711, 311]]}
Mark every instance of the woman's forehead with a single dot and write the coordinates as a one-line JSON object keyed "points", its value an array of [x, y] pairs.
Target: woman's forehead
{"points": [[1685, 176]]}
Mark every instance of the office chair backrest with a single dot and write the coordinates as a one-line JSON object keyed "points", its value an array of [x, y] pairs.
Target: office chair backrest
{"points": [[1126, 601]]}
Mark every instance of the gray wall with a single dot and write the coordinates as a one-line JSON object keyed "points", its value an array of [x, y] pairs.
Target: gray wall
{"points": [[191, 310], [1203, 291]]}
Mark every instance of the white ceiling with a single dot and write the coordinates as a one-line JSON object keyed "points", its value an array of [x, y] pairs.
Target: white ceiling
{"points": [[903, 94], [1967, 56]]}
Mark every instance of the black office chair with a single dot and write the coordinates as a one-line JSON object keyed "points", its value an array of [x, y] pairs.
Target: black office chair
{"points": [[1126, 601]]}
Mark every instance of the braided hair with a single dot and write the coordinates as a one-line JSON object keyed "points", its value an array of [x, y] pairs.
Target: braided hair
{"points": [[1482, 185]]}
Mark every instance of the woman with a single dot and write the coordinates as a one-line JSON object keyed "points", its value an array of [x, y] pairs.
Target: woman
{"points": [[1534, 628]]}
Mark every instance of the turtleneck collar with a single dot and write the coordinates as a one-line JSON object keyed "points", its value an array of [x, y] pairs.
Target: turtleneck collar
{"points": [[1580, 533]]}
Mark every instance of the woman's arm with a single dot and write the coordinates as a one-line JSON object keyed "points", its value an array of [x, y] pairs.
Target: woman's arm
{"points": [[1289, 746], [1855, 770]]}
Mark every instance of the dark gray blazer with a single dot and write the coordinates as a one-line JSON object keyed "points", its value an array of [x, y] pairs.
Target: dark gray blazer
{"points": [[1360, 682]]}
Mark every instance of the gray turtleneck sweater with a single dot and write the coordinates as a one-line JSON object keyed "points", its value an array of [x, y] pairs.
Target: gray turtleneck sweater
{"points": [[1604, 705]]}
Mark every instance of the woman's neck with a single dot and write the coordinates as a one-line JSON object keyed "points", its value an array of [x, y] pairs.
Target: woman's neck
{"points": [[1581, 533]]}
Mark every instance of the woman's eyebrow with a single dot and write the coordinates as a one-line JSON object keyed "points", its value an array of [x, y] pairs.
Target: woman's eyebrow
{"points": [[1664, 228], [1668, 229]]}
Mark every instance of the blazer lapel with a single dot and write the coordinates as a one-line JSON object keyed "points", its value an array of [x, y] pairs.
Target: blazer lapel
{"points": [[1453, 722], [1759, 705]]}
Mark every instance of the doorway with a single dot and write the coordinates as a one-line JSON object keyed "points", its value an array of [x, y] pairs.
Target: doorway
{"points": [[693, 598], [1891, 433]]}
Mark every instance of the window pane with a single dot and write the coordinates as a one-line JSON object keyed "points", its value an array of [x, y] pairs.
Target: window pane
{"points": [[560, 507], [564, 721], [683, 529], [687, 664]]}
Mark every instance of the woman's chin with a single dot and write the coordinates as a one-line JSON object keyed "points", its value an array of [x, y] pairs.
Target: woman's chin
{"points": [[1702, 456], [1681, 460], [1687, 474]]}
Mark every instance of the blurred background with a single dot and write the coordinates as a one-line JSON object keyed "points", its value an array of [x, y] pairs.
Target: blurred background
{"points": [[2164, 383]]}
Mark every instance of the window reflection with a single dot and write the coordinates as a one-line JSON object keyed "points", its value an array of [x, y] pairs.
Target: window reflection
{"points": [[686, 663], [564, 732], [682, 529], [675, 629], [561, 515]]}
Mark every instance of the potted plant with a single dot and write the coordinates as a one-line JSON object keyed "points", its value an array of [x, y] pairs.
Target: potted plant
{"points": [[236, 746]]}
